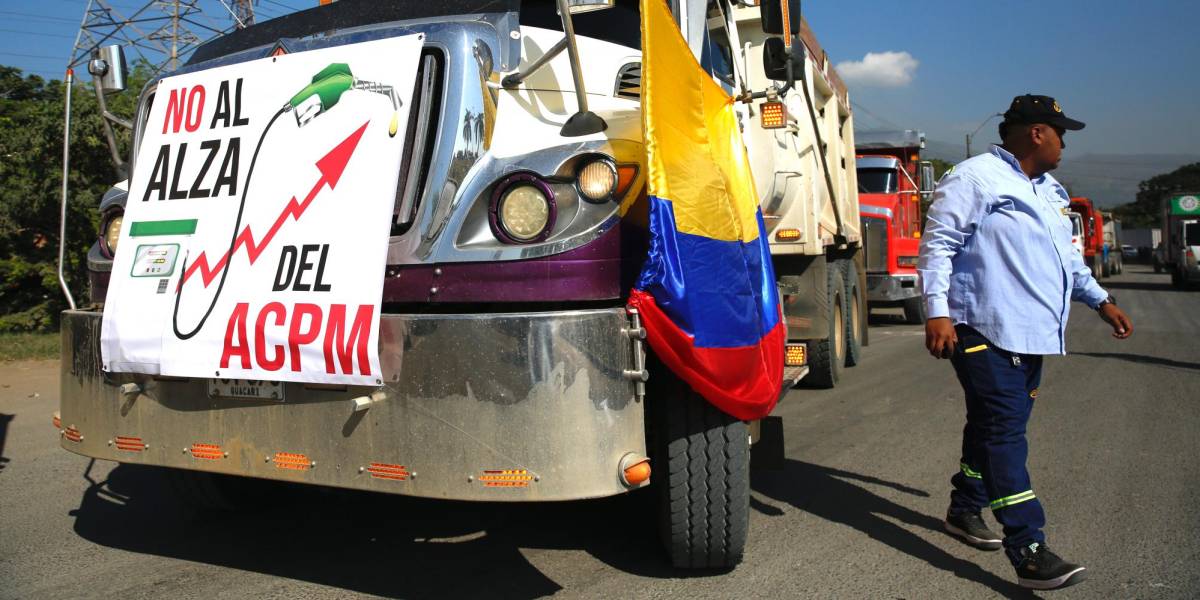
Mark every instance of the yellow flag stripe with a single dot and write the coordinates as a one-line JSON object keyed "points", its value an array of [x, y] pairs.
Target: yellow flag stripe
{"points": [[697, 160]]}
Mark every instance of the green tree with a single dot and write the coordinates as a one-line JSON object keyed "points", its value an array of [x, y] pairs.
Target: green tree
{"points": [[1146, 210], [31, 136]]}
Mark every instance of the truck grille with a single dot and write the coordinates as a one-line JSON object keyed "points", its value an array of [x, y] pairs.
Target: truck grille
{"points": [[419, 139], [875, 244]]}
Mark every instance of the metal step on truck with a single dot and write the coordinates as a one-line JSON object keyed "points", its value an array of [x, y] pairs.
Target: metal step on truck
{"points": [[390, 246]]}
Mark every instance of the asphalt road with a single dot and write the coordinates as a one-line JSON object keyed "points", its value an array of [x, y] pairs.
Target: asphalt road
{"points": [[855, 512]]}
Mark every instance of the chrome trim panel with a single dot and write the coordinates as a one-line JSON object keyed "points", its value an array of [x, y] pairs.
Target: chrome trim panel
{"points": [[464, 393], [875, 210], [875, 238]]}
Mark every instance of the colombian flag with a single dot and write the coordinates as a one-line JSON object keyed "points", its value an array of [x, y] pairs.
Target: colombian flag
{"points": [[707, 292]]}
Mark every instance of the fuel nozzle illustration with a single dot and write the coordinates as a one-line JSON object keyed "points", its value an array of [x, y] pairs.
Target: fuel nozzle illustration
{"points": [[327, 88]]}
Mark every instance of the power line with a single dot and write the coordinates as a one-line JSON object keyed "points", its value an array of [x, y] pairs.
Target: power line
{"points": [[37, 33], [35, 16]]}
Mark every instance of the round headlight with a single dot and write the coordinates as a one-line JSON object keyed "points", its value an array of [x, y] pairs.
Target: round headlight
{"points": [[597, 180], [523, 212], [112, 231]]}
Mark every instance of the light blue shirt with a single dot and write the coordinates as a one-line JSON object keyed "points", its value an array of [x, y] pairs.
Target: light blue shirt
{"points": [[997, 255]]}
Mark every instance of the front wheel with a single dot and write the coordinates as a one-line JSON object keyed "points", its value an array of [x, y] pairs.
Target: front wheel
{"points": [[914, 311], [854, 314], [704, 497]]}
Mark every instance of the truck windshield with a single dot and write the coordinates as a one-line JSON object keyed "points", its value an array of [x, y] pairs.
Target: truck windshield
{"points": [[877, 181], [1191, 234], [621, 24]]}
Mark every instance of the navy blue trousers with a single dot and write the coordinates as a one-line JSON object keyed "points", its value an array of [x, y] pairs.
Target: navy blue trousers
{"points": [[1000, 389]]}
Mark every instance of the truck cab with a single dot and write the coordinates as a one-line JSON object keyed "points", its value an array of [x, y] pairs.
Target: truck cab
{"points": [[893, 186], [1180, 247]]}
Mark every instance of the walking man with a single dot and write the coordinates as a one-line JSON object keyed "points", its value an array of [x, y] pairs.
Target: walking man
{"points": [[998, 272]]}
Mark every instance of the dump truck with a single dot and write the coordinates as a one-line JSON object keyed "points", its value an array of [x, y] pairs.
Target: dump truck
{"points": [[893, 186], [1114, 257], [1093, 234], [488, 159]]}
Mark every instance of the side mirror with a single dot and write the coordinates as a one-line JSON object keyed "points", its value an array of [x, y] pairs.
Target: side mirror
{"points": [[926, 177], [771, 15], [775, 58], [108, 68]]}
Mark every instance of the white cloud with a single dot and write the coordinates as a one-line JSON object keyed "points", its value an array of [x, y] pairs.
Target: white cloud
{"points": [[880, 69]]}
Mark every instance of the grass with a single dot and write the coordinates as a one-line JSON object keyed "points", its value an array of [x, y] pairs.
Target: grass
{"points": [[28, 346]]}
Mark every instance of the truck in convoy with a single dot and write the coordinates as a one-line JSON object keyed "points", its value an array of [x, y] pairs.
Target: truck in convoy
{"points": [[893, 186], [1114, 258], [1181, 233], [1093, 234], [510, 365]]}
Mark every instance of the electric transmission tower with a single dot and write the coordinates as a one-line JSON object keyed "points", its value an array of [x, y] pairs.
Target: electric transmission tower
{"points": [[160, 32]]}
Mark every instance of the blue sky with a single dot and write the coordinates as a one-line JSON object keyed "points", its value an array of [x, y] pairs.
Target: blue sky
{"points": [[1131, 70]]}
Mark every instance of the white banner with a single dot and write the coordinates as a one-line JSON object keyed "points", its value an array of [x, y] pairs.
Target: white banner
{"points": [[255, 233]]}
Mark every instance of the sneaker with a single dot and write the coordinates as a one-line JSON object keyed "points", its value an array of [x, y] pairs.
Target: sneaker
{"points": [[1041, 569], [969, 528]]}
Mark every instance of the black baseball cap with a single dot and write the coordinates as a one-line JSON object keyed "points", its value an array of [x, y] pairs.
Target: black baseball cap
{"points": [[1030, 109]]}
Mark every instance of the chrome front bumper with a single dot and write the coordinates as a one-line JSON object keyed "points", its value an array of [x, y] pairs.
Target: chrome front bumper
{"points": [[883, 287], [518, 406]]}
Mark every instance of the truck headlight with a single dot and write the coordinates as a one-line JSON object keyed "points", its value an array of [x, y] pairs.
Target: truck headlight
{"points": [[110, 231], [907, 261], [523, 209], [598, 180]]}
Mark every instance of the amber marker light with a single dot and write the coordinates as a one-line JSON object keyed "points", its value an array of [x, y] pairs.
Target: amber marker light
{"points": [[772, 115], [787, 235], [625, 176], [795, 355]]}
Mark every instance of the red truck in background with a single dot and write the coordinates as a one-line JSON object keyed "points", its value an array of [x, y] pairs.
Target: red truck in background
{"points": [[1093, 234], [892, 182]]}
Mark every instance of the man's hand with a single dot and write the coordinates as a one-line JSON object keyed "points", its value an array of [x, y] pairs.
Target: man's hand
{"points": [[1122, 326], [940, 338]]}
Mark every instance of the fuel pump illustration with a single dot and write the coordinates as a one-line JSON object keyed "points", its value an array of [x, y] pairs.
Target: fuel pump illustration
{"points": [[320, 96]]}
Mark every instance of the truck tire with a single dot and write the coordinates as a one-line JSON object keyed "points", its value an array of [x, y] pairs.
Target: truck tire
{"points": [[828, 355], [1106, 269], [704, 497], [1177, 281], [1120, 265], [1096, 274], [206, 491], [854, 313], [914, 311]]}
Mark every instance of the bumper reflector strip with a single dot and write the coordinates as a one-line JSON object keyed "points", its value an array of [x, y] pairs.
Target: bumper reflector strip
{"points": [[787, 235], [387, 471], [72, 434], [132, 444], [506, 478], [294, 462], [207, 451]]}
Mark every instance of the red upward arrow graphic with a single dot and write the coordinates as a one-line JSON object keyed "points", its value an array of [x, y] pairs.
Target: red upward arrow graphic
{"points": [[332, 166]]}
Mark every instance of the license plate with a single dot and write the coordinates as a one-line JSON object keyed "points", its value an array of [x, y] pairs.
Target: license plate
{"points": [[255, 389]]}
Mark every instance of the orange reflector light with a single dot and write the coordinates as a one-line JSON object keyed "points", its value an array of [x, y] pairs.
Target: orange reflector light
{"points": [[294, 462], [132, 444], [207, 451], [638, 473], [787, 235], [625, 176], [73, 434], [796, 355], [506, 478], [56, 421], [773, 115], [387, 471]]}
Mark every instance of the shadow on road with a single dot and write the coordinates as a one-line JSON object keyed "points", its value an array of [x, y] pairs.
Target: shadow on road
{"points": [[5, 419], [391, 546], [834, 495], [1147, 286], [1143, 359]]}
